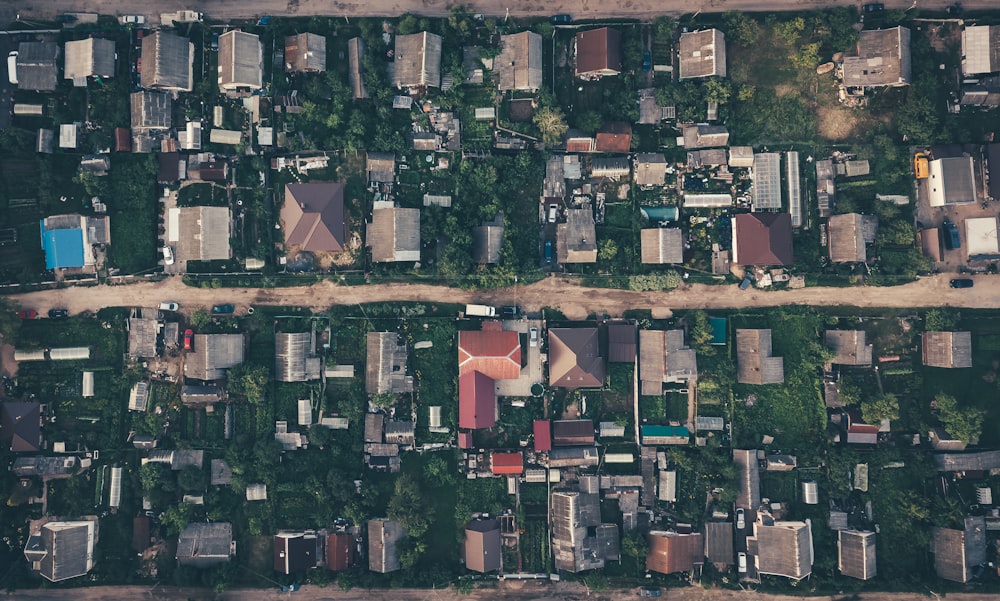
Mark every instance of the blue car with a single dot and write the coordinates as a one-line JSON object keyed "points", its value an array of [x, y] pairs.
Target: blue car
{"points": [[647, 62]]}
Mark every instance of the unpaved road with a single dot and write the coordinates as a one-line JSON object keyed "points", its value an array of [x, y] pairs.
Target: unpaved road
{"points": [[575, 301], [579, 9], [517, 591]]}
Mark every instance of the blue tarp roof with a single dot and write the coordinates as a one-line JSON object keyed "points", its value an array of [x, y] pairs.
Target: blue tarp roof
{"points": [[63, 248]]}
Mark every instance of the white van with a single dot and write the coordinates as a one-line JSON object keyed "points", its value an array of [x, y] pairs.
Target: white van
{"points": [[12, 67], [553, 213], [742, 557]]}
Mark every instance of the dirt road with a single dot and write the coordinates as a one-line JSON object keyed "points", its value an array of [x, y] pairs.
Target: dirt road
{"points": [[579, 9], [520, 591], [575, 301]]}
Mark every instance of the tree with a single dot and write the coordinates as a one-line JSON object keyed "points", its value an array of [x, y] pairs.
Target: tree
{"points": [[551, 122], [807, 56], [200, 319], [885, 406], [320, 435], [607, 250], [407, 506], [941, 320], [741, 28], [192, 479], [964, 423], [634, 549], [790, 30], [717, 90], [384, 400], [663, 29], [589, 122], [701, 331], [436, 470], [249, 381]]}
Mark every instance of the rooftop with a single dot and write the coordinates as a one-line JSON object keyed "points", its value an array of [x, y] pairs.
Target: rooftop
{"points": [[883, 59], [519, 65], [313, 216], [702, 54], [574, 358], [598, 52], [762, 239]]}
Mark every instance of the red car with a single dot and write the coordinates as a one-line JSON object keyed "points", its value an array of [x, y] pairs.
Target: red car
{"points": [[27, 314], [188, 335]]}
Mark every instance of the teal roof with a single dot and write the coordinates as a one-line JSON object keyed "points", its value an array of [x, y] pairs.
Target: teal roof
{"points": [[63, 248], [665, 431], [718, 325], [660, 213]]}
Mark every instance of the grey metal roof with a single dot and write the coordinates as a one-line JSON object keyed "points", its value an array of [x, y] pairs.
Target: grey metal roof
{"points": [[205, 544], [205, 233], [86, 58], [241, 61], [980, 49], [850, 346], [36, 66], [487, 241], [754, 363], [383, 539], [784, 549], [856, 554], [68, 547], [394, 235], [306, 52], [947, 349], [167, 61], [749, 495], [385, 369], [151, 110], [961, 462], [519, 65], [958, 552], [719, 542], [846, 238], [705, 136], [662, 245], [650, 169], [294, 357], [702, 54], [213, 355], [141, 338], [417, 61]]}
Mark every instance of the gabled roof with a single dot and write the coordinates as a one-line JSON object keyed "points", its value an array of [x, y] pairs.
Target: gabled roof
{"points": [[381, 166], [947, 349], [519, 65], [746, 461], [213, 355], [394, 235], [847, 240], [142, 337], [705, 136], [664, 357], [614, 136], [167, 61], [295, 551], [241, 61], [313, 216], [850, 346], [958, 552], [719, 542], [417, 61], [305, 52], [203, 233], [86, 58], [980, 49], [661, 246], [702, 54], [598, 52], [784, 549], [762, 239], [385, 369], [542, 432], [355, 73], [383, 540], [482, 545], [295, 359], [502, 464], [650, 169], [486, 243], [951, 181], [341, 551], [572, 432], [63, 549], [670, 552], [151, 110], [574, 358], [576, 239], [856, 554], [20, 426], [766, 190], [883, 59], [754, 363], [492, 351], [36, 66], [477, 399], [622, 342], [205, 544]]}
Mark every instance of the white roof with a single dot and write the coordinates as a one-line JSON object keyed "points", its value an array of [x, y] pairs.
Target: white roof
{"points": [[225, 136], [67, 135], [707, 200], [976, 50], [305, 412], [981, 234]]}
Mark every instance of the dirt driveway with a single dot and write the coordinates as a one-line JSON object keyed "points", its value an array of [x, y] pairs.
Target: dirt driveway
{"points": [[575, 301]]}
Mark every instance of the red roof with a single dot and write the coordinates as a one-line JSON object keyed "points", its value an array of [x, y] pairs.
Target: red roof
{"points": [[543, 435], [580, 145], [491, 351], [123, 139], [465, 440], [340, 551], [615, 137], [862, 429], [506, 463], [477, 401]]}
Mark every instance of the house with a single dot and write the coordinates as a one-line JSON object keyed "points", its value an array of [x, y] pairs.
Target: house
{"points": [[622, 344], [664, 357], [573, 457], [506, 464], [542, 434], [484, 356], [609, 167], [947, 349], [783, 548], [702, 54], [856, 554], [519, 65], [399, 432], [241, 61], [670, 552], [384, 537], [664, 435], [580, 541], [305, 53], [957, 553], [341, 551], [417, 61], [296, 551], [295, 358], [741, 156], [983, 461], [381, 167], [482, 545], [21, 426], [213, 355], [980, 49], [49, 467], [142, 337], [69, 241], [650, 169], [572, 432], [883, 59], [487, 240], [312, 217], [766, 190], [941, 440], [704, 136], [719, 544], [754, 363], [36, 66], [951, 181], [385, 369], [168, 62], [749, 494], [846, 238], [614, 137], [762, 239], [574, 358], [199, 233], [598, 53], [61, 549], [394, 235], [201, 396], [93, 57], [170, 167], [205, 544], [576, 239], [355, 72], [660, 246], [850, 347]]}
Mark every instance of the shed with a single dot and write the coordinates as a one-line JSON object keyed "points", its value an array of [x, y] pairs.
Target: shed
{"points": [[598, 53], [741, 156], [572, 432], [305, 53], [355, 73]]}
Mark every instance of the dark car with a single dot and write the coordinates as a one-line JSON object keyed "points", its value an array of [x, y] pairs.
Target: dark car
{"points": [[188, 336], [510, 311], [562, 19], [962, 283], [27, 314], [747, 280], [57, 313], [874, 7], [954, 10], [647, 61], [222, 309], [548, 251]]}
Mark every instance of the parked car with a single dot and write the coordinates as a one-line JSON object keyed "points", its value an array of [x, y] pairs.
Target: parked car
{"points": [[647, 61], [548, 251], [742, 562], [169, 306], [132, 19], [168, 255], [962, 283], [649, 592], [533, 337], [510, 311], [741, 519], [12, 67], [747, 280], [562, 19], [222, 309], [188, 337], [553, 213], [27, 314], [58, 313], [873, 7]]}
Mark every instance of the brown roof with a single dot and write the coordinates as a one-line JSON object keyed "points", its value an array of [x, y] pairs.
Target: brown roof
{"points": [[621, 342], [20, 426], [341, 551], [313, 216], [355, 59], [140, 534], [670, 552], [574, 358], [305, 52], [615, 136], [958, 552], [850, 346], [650, 169], [572, 432], [762, 239], [846, 236], [482, 545], [519, 65], [492, 351], [947, 349], [702, 54], [754, 363], [598, 52], [883, 59]]}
